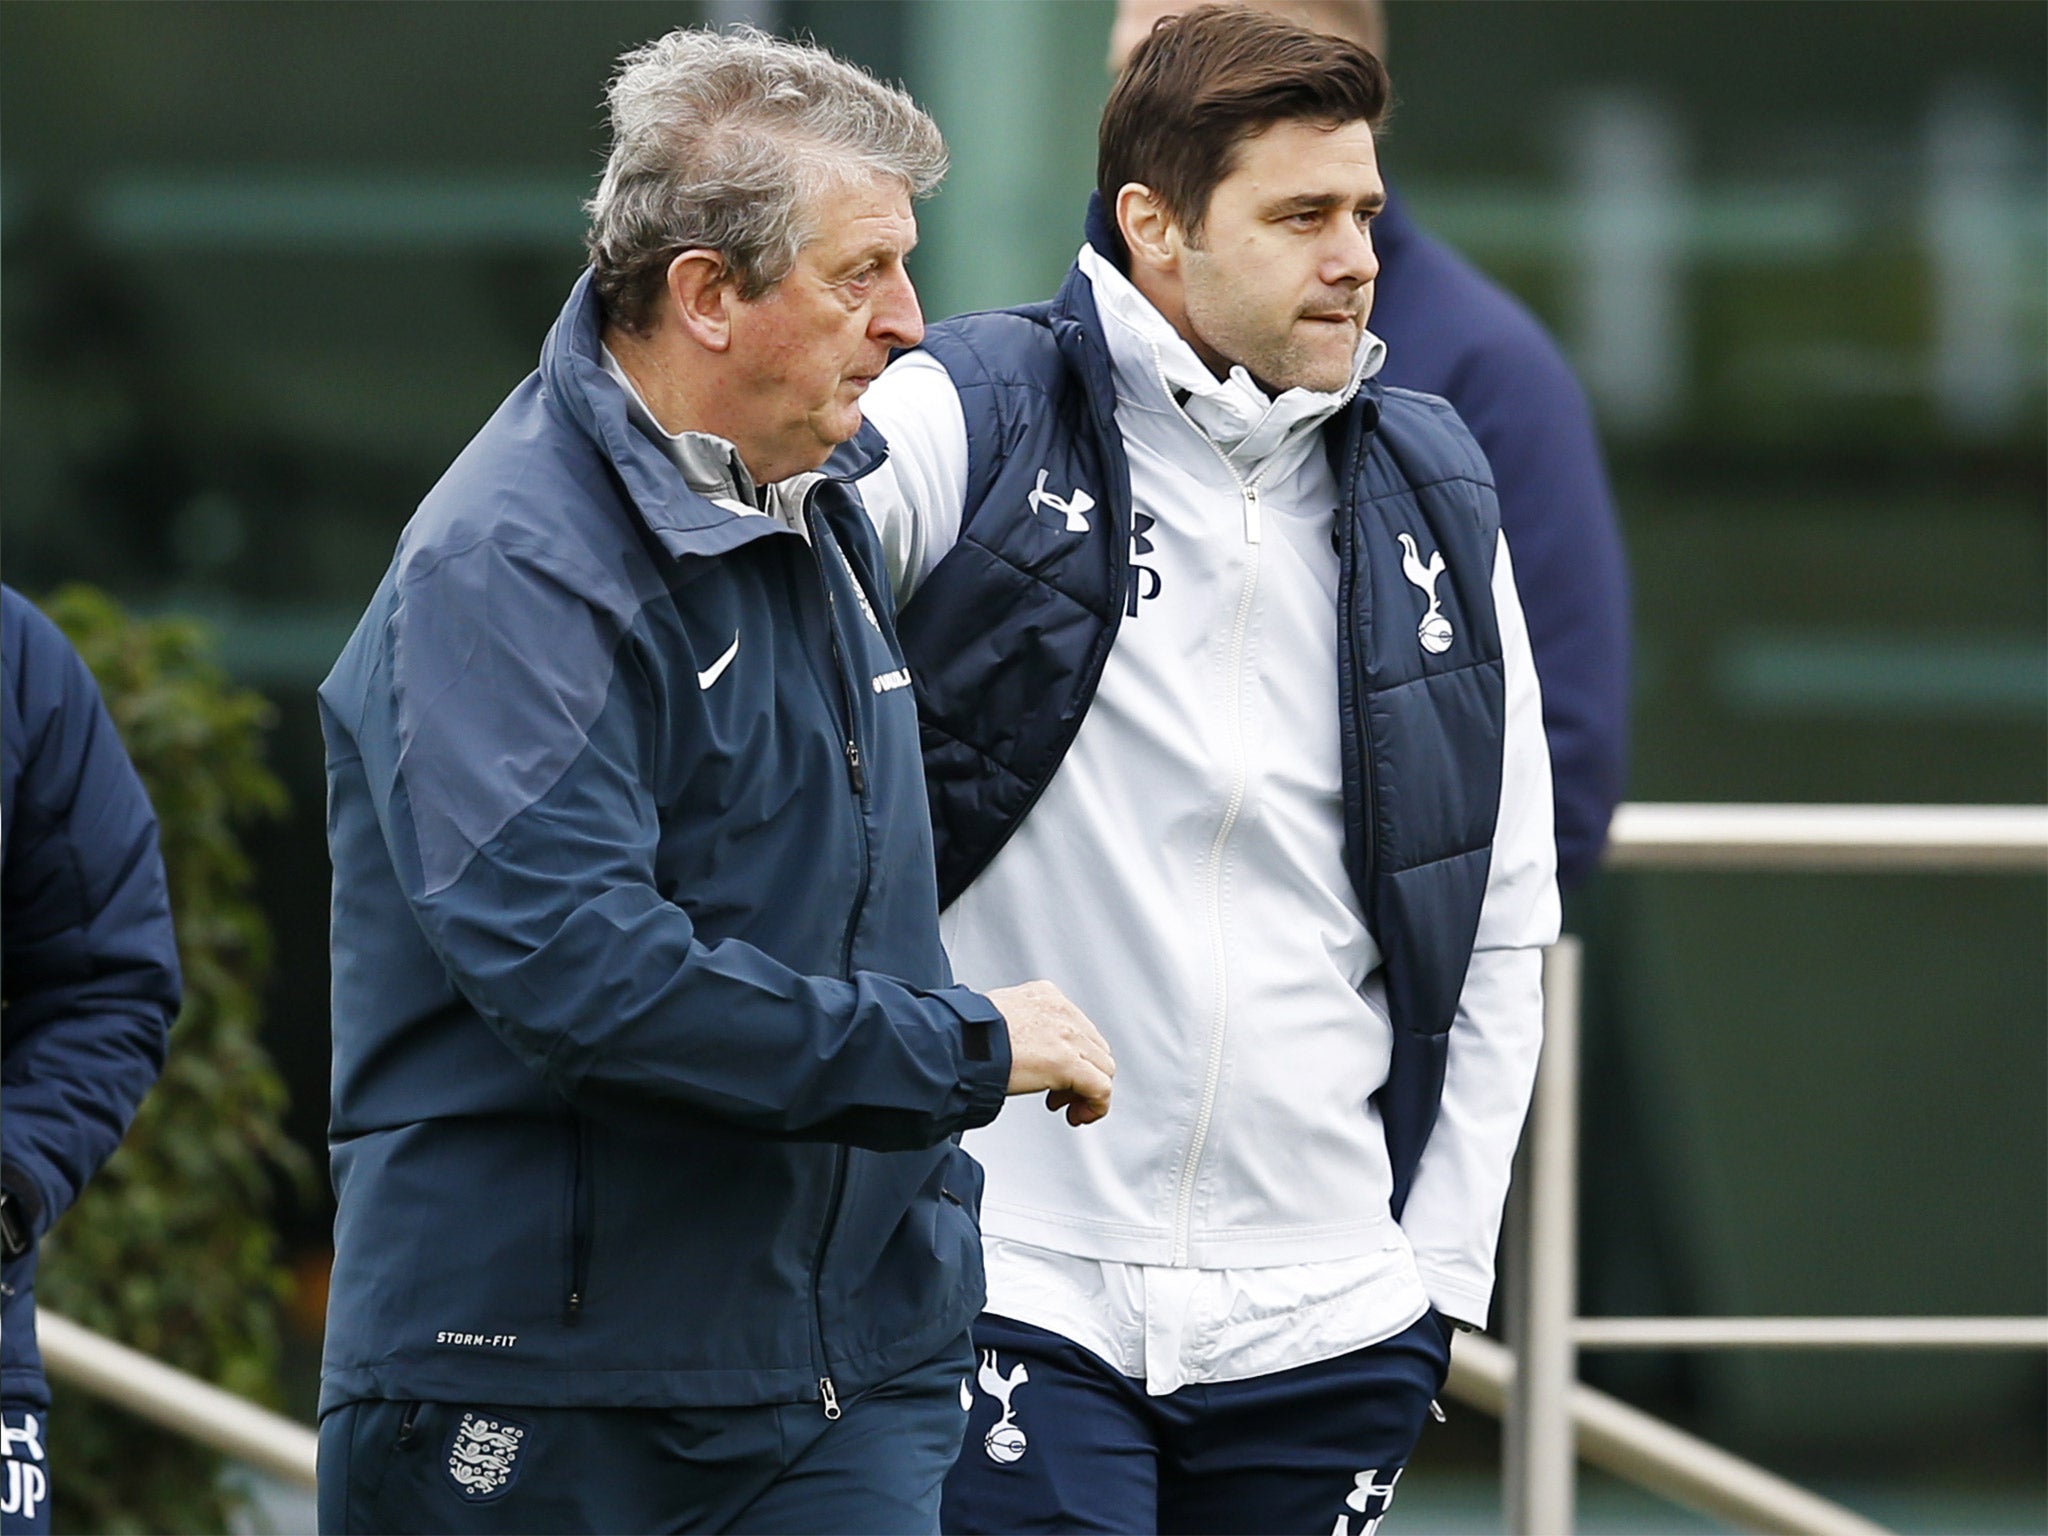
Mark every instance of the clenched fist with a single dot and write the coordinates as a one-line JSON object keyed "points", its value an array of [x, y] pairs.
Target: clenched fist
{"points": [[1054, 1050]]}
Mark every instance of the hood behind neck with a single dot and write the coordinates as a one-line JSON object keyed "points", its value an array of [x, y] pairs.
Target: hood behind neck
{"points": [[711, 465]]}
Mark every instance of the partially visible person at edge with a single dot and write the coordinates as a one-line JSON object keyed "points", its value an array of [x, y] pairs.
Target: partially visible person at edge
{"points": [[1452, 331], [648, 1067], [89, 981], [1232, 731]]}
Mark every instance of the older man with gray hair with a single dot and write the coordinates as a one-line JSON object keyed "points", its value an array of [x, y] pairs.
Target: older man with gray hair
{"points": [[648, 1068]]}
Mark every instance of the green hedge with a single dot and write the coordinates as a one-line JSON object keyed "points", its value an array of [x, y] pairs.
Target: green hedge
{"points": [[171, 1249]]}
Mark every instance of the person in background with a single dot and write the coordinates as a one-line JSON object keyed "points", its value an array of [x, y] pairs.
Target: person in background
{"points": [[648, 1066], [89, 981], [1452, 331], [1232, 731]]}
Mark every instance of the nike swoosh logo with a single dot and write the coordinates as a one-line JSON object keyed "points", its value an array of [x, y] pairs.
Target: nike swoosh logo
{"points": [[716, 670]]}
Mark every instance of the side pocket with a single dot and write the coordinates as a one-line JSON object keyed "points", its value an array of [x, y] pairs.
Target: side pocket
{"points": [[375, 1446], [959, 1186], [577, 1220], [1441, 1329], [962, 1181]]}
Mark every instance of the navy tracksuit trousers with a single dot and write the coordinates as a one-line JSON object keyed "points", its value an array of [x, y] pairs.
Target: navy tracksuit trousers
{"points": [[1078, 1447], [391, 1467]]}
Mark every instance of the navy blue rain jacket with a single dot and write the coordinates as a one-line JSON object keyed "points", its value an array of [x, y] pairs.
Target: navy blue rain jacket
{"points": [[88, 959], [646, 1056], [1450, 331]]}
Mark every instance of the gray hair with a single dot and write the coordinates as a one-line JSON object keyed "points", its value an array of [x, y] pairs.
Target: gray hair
{"points": [[723, 141]]}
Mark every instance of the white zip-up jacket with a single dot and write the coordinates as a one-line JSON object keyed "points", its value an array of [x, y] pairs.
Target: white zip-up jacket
{"points": [[1181, 880]]}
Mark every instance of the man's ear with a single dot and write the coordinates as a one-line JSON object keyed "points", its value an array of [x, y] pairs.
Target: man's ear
{"points": [[1150, 233], [702, 289]]}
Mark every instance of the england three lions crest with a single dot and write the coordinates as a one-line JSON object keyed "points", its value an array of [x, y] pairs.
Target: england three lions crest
{"points": [[484, 1455]]}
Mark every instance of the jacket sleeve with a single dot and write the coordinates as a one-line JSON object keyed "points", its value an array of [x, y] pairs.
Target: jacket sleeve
{"points": [[1453, 1214], [1531, 418], [524, 827], [915, 497], [90, 964]]}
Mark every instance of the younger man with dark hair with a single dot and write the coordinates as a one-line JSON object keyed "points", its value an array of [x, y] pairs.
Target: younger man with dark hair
{"points": [[1231, 730], [1450, 330]]}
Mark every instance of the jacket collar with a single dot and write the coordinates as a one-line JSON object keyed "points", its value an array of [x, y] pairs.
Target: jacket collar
{"points": [[684, 521], [710, 465]]}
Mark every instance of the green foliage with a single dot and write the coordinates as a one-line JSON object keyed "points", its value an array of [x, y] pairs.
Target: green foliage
{"points": [[171, 1249]]}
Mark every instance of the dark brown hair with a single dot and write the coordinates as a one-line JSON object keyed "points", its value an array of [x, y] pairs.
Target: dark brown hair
{"points": [[1208, 79]]}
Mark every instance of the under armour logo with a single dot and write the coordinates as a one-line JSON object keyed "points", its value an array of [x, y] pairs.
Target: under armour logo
{"points": [[1142, 581], [1370, 1498], [1005, 1440], [1435, 630], [25, 1488], [1073, 508]]}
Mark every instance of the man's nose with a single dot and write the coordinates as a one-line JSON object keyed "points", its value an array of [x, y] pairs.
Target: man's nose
{"points": [[1353, 259], [898, 320]]}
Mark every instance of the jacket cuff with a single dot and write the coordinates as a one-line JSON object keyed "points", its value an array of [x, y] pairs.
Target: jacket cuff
{"points": [[1460, 1302], [984, 1053]]}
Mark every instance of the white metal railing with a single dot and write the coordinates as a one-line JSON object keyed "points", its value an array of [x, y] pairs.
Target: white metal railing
{"points": [[1955, 838], [179, 1402], [1811, 1333], [1646, 1451], [1549, 1419]]}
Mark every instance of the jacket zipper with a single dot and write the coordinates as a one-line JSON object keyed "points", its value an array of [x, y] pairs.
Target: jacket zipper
{"points": [[1351, 668], [828, 1394], [579, 1218], [1198, 1137], [855, 773]]}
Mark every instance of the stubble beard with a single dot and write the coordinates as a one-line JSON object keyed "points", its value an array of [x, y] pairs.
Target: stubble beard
{"points": [[1279, 362]]}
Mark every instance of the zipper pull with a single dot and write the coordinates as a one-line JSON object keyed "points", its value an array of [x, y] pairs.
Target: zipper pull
{"points": [[831, 1396], [853, 767], [1436, 1411], [1251, 514]]}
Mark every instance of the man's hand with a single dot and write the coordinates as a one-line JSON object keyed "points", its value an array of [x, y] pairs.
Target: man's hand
{"points": [[1056, 1051]]}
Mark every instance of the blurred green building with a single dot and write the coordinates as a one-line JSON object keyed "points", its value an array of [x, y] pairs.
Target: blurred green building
{"points": [[265, 267]]}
